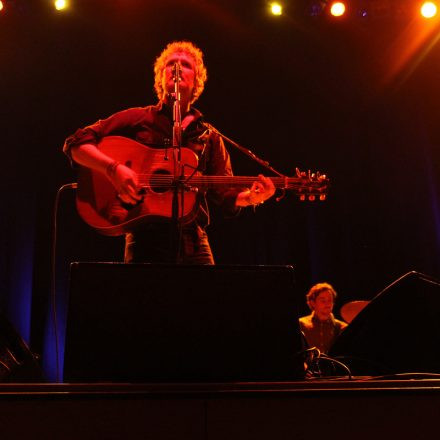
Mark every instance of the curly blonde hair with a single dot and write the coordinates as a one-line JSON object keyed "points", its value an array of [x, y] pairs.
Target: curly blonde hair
{"points": [[316, 290], [195, 53]]}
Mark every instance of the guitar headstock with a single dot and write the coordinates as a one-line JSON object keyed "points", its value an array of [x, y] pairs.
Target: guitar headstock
{"points": [[312, 186]]}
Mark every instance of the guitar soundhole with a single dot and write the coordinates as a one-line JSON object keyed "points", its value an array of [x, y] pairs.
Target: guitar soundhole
{"points": [[161, 181]]}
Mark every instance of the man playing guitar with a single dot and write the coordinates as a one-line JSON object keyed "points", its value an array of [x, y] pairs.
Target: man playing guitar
{"points": [[161, 224]]}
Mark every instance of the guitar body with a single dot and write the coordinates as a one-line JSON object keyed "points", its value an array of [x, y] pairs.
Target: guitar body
{"points": [[97, 201]]}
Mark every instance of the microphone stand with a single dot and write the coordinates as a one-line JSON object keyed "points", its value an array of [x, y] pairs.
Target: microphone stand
{"points": [[253, 156], [177, 162], [263, 163], [177, 119]]}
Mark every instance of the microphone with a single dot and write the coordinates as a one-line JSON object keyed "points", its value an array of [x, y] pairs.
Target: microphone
{"points": [[177, 71]]}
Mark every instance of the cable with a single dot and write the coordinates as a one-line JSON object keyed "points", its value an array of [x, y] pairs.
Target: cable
{"points": [[360, 364], [313, 357], [406, 376], [335, 361], [53, 273]]}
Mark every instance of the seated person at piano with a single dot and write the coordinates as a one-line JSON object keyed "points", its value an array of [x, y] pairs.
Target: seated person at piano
{"points": [[321, 328]]}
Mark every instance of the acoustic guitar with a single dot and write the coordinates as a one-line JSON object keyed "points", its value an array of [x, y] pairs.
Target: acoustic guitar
{"points": [[99, 206]]}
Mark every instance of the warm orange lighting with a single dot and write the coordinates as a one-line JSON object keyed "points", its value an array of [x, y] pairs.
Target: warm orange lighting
{"points": [[337, 9], [1, 6], [428, 10], [276, 8], [60, 4]]}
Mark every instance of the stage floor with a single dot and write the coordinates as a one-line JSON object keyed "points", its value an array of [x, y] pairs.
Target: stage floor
{"points": [[406, 383], [360, 408]]}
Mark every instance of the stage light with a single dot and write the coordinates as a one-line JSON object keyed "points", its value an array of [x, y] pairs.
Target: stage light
{"points": [[276, 8], [337, 9], [428, 10], [60, 4], [1, 6]]}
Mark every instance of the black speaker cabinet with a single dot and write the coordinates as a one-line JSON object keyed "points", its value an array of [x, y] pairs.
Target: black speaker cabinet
{"points": [[160, 323], [398, 332]]}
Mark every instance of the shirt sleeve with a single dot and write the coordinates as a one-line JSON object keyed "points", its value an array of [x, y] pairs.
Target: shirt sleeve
{"points": [[219, 164], [120, 123]]}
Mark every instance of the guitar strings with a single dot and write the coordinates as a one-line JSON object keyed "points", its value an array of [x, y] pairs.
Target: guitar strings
{"points": [[167, 179]]}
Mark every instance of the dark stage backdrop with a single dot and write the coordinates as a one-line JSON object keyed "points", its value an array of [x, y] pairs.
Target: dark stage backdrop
{"points": [[346, 98]]}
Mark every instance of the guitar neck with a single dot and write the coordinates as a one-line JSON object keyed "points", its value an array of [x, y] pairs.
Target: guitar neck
{"points": [[246, 181], [299, 184]]}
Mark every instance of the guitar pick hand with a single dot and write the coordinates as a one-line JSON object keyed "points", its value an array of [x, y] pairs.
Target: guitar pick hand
{"points": [[125, 181]]}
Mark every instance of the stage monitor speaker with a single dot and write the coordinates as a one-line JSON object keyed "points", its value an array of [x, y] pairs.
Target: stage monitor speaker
{"points": [[161, 323], [17, 362], [398, 332]]}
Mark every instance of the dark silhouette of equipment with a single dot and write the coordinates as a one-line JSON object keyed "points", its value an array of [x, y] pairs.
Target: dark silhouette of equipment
{"points": [[163, 323], [397, 332]]}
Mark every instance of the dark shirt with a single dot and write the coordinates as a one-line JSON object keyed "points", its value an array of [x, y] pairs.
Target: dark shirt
{"points": [[153, 126], [321, 334]]}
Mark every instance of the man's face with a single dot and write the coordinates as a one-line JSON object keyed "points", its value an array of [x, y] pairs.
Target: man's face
{"points": [[323, 304], [187, 77]]}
